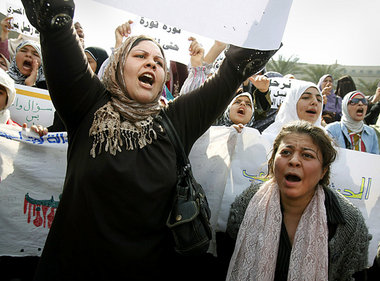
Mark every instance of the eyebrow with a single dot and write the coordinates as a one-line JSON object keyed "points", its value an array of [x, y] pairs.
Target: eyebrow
{"points": [[303, 148], [145, 52]]}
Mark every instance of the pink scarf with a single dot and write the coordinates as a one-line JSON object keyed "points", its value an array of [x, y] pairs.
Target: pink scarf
{"points": [[256, 248]]}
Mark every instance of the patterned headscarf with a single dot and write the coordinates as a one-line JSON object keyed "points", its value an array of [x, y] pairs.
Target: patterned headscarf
{"points": [[226, 116], [15, 73], [124, 120]]}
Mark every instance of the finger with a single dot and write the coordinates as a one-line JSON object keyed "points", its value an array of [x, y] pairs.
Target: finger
{"points": [[24, 126]]}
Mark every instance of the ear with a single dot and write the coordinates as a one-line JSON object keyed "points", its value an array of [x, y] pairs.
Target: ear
{"points": [[323, 173]]}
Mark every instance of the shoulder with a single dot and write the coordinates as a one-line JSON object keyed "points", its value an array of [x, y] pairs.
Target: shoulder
{"points": [[238, 208], [355, 221], [369, 130]]}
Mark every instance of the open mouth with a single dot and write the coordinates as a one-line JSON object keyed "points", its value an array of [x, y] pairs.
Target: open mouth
{"points": [[241, 111], [360, 111], [27, 64], [292, 178], [311, 111], [147, 78]]}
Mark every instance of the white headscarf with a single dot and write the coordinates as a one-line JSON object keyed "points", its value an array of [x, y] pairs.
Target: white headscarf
{"points": [[9, 85], [288, 109], [351, 124]]}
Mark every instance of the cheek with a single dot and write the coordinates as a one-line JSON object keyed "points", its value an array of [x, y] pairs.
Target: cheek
{"points": [[19, 59]]}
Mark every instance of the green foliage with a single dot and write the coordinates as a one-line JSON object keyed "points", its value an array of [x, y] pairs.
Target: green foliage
{"points": [[368, 88], [314, 72], [284, 65]]}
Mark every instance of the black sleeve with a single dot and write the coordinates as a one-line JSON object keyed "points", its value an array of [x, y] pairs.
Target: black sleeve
{"points": [[372, 114], [192, 114]]}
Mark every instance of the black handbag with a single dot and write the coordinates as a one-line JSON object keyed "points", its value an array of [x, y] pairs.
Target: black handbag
{"points": [[189, 218]]}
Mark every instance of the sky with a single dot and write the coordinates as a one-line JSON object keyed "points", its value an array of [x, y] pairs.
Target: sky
{"points": [[317, 31]]}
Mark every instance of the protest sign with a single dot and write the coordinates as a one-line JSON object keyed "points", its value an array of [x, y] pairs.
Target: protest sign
{"points": [[32, 171], [261, 23], [20, 22], [32, 106]]}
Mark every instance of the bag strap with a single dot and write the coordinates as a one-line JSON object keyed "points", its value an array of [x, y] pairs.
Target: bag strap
{"points": [[182, 158]]}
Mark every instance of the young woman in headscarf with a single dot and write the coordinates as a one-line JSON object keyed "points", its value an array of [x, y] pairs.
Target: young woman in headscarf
{"points": [[26, 66], [293, 226], [351, 132], [95, 56], [121, 174], [239, 112], [303, 102], [332, 108]]}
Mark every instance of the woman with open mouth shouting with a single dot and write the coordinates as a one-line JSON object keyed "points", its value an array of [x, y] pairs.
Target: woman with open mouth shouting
{"points": [[121, 174], [26, 66], [293, 226], [351, 132], [303, 102]]}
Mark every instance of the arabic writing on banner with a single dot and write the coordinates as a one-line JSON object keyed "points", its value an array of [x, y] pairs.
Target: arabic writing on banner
{"points": [[261, 23], [20, 22], [235, 160], [32, 106], [172, 39], [279, 87], [32, 171]]}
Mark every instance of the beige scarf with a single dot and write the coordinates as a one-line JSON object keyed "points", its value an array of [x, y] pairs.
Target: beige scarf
{"points": [[123, 121], [256, 248]]}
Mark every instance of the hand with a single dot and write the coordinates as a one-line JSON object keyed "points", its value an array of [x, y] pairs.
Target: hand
{"points": [[39, 129], [196, 53], [376, 96], [327, 90], [5, 27], [324, 99], [261, 82], [123, 30], [31, 80], [239, 127]]}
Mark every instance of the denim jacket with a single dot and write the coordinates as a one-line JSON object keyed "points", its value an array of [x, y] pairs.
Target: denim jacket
{"points": [[338, 131]]}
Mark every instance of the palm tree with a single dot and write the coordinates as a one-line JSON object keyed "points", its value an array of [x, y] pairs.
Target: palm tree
{"points": [[284, 65], [368, 88], [314, 72]]}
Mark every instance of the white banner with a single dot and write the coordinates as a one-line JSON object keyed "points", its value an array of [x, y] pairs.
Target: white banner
{"points": [[235, 160], [257, 24], [32, 171], [20, 22], [32, 106]]}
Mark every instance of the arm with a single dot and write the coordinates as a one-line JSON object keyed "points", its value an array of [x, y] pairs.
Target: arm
{"points": [[5, 26], [214, 52], [72, 86], [194, 113], [197, 73]]}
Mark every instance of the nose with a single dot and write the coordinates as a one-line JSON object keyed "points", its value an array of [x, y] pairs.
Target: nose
{"points": [[294, 161], [151, 63]]}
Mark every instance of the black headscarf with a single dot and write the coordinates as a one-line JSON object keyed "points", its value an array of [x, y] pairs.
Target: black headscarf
{"points": [[98, 54]]}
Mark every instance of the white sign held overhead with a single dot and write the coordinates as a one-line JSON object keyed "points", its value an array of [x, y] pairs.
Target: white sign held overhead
{"points": [[257, 24]]}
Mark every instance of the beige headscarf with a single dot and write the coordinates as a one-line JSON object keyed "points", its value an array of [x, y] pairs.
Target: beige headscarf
{"points": [[256, 248], [123, 120]]}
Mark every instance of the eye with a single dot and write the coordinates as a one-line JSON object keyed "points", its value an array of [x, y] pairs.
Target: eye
{"points": [[285, 152], [139, 56], [249, 104], [159, 63], [308, 155]]}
